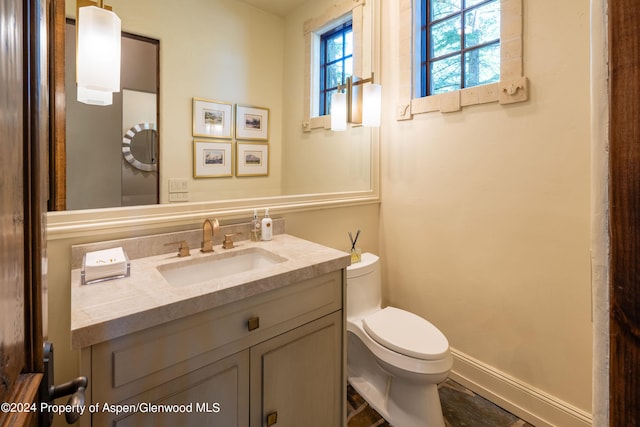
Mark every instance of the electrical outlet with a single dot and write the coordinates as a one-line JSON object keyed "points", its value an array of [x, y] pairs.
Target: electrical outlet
{"points": [[178, 197]]}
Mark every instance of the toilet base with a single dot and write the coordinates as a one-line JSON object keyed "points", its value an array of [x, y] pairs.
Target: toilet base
{"points": [[401, 402], [417, 410]]}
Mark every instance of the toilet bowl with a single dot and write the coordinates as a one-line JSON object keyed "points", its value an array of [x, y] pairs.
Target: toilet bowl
{"points": [[395, 359]]}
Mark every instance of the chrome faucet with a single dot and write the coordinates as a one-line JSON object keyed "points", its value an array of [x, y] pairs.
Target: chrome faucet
{"points": [[209, 229]]}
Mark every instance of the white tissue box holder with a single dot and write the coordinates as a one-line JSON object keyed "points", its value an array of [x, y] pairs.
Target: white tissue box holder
{"points": [[126, 271]]}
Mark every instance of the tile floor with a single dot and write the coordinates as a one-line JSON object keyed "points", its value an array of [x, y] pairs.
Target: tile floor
{"points": [[460, 406]]}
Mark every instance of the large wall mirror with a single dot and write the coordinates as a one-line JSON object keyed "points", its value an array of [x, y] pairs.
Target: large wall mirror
{"points": [[111, 152], [248, 53]]}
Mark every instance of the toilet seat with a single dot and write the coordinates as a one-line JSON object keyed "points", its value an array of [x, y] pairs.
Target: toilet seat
{"points": [[406, 333]]}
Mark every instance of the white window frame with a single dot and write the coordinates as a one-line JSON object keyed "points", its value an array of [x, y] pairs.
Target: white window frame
{"points": [[313, 29], [512, 87], [315, 61]]}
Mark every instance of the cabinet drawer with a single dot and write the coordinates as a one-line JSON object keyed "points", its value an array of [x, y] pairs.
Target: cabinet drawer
{"points": [[134, 363]]}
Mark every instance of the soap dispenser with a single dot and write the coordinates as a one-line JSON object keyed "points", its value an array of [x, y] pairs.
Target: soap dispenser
{"points": [[256, 227], [267, 231]]}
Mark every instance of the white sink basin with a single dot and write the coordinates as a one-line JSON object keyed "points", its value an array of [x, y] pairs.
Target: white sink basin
{"points": [[217, 266]]}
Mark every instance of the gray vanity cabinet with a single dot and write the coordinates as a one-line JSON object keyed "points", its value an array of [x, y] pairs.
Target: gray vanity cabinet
{"points": [[274, 355]]}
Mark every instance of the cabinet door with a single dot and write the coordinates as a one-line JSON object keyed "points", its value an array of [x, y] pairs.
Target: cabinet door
{"points": [[215, 395], [296, 377]]}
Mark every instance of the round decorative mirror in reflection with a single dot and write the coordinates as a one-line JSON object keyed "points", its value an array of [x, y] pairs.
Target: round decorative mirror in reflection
{"points": [[140, 146]]}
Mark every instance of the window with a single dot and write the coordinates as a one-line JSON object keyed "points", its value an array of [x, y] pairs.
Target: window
{"points": [[336, 62], [481, 65], [460, 44], [345, 26]]}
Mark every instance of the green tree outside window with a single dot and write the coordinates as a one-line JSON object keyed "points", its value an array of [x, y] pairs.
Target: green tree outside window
{"points": [[460, 44]]}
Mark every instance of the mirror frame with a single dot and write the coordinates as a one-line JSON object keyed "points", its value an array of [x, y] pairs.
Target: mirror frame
{"points": [[67, 224], [128, 140]]}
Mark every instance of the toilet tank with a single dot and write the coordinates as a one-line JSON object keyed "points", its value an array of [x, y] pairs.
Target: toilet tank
{"points": [[364, 286]]}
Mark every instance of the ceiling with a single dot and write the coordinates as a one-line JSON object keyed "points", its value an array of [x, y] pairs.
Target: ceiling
{"points": [[277, 7]]}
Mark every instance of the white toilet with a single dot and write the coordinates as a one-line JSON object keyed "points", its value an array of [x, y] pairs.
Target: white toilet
{"points": [[395, 359]]}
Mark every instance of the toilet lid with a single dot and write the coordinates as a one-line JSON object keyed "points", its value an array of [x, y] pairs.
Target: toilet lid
{"points": [[406, 333]]}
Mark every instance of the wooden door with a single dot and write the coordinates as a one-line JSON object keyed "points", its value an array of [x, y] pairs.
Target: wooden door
{"points": [[624, 140], [23, 182]]}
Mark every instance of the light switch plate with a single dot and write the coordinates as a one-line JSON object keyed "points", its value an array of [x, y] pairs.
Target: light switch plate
{"points": [[178, 185]]}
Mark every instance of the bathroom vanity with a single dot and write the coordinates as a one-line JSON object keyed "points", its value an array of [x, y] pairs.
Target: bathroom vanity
{"points": [[258, 347]]}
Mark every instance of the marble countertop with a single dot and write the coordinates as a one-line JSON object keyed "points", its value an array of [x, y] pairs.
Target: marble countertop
{"points": [[114, 308]]}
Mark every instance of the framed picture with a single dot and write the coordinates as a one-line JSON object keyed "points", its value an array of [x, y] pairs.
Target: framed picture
{"points": [[252, 123], [252, 159], [212, 159], [212, 119]]}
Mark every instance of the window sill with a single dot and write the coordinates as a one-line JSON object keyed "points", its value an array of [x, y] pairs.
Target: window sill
{"points": [[320, 122], [514, 86], [506, 92]]}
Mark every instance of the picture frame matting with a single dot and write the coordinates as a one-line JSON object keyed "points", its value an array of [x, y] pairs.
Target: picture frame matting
{"points": [[252, 159], [252, 123], [212, 119], [212, 159]]}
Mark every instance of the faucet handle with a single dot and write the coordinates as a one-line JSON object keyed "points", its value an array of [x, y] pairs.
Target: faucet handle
{"points": [[183, 247], [228, 241]]}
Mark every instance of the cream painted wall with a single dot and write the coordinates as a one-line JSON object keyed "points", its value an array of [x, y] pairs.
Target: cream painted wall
{"points": [[485, 217]]}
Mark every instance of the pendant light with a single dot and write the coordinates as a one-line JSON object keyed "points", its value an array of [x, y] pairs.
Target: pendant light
{"points": [[98, 53]]}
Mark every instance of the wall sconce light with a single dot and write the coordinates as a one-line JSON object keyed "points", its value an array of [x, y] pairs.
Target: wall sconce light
{"points": [[359, 104], [339, 111], [98, 49]]}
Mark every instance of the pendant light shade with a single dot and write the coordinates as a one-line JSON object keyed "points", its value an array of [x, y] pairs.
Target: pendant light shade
{"points": [[371, 104], [98, 54], [339, 111], [94, 97]]}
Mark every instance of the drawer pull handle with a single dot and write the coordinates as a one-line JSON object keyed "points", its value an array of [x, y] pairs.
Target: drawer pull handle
{"points": [[272, 418], [253, 323]]}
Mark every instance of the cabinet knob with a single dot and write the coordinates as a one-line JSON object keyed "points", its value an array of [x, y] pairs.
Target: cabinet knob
{"points": [[253, 323], [272, 418]]}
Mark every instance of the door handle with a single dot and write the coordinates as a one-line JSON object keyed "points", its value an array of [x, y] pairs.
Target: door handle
{"points": [[49, 392]]}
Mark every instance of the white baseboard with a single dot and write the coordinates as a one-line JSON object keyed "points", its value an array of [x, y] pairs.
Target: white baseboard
{"points": [[528, 403]]}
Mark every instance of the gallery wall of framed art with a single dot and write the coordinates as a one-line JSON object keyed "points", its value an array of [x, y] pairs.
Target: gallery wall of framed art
{"points": [[229, 140]]}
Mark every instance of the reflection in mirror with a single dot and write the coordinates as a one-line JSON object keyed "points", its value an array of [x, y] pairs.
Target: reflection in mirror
{"points": [[140, 147], [110, 160], [231, 51]]}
